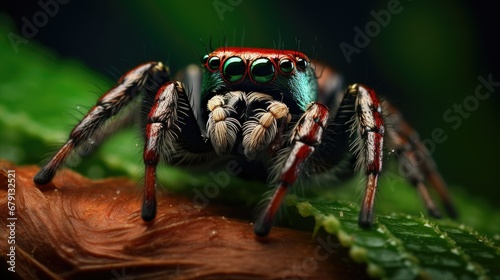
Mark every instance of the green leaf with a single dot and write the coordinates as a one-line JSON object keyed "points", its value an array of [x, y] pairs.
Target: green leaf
{"points": [[40, 92], [401, 246]]}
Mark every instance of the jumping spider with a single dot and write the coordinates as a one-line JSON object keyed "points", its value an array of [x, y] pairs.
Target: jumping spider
{"points": [[270, 105]]}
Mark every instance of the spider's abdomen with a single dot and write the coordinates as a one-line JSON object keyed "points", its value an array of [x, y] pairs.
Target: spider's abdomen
{"points": [[285, 74]]}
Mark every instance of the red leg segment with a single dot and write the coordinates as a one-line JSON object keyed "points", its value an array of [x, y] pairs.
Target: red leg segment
{"points": [[370, 131], [306, 136], [170, 123], [162, 130]]}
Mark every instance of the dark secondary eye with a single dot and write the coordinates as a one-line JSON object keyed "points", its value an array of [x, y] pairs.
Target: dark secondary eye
{"points": [[286, 66], [205, 59], [262, 70], [214, 63], [234, 69], [302, 63]]}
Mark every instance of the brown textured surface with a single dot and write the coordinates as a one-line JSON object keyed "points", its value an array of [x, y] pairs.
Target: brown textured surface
{"points": [[78, 228]]}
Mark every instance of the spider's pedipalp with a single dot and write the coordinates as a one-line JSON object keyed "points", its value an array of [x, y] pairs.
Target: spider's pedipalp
{"points": [[263, 127], [223, 123]]}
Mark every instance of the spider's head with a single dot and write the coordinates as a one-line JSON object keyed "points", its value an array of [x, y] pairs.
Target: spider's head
{"points": [[286, 75]]}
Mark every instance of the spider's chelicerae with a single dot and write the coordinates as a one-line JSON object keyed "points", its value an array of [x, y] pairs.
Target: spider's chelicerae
{"points": [[262, 106]]}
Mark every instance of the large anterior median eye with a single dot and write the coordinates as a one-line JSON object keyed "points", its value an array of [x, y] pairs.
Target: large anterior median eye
{"points": [[234, 69], [262, 70]]}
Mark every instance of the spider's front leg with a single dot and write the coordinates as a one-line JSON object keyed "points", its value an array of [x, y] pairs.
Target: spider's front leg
{"points": [[172, 134], [100, 121], [369, 124], [307, 136]]}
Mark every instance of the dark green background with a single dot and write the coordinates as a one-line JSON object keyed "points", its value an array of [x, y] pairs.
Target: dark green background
{"points": [[425, 60]]}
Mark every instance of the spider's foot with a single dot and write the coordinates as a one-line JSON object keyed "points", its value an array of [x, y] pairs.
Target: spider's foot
{"points": [[262, 227], [451, 210], [148, 212], [434, 213], [47, 173], [44, 176], [365, 219], [366, 214]]}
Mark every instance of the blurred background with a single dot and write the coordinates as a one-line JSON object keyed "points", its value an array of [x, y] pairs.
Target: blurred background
{"points": [[425, 56]]}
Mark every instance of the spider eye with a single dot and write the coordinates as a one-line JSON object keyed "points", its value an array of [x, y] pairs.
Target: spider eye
{"points": [[286, 66], [262, 70], [234, 69], [214, 63], [302, 63], [205, 59]]}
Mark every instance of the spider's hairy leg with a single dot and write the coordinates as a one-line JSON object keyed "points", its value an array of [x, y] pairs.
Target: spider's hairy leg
{"points": [[172, 134], [416, 161], [89, 130], [369, 125], [305, 138], [161, 131]]}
